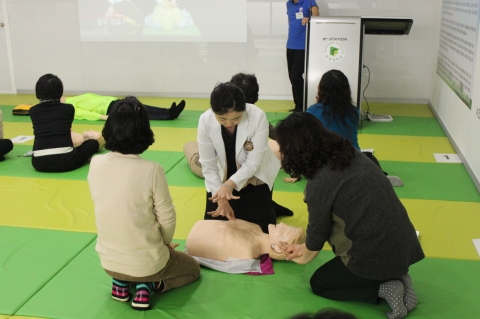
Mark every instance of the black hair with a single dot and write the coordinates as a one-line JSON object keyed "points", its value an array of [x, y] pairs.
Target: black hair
{"points": [[49, 87], [306, 145], [127, 129], [336, 96], [227, 97], [249, 85]]}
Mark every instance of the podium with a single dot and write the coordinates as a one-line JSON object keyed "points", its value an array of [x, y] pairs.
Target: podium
{"points": [[337, 43]]}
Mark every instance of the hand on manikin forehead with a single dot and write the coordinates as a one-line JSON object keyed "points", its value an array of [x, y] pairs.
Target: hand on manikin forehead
{"points": [[280, 232]]}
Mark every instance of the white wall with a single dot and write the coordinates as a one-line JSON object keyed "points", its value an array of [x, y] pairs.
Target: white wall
{"points": [[45, 38], [461, 123]]}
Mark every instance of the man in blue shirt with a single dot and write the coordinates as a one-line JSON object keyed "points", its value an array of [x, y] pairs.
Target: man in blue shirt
{"points": [[299, 12]]}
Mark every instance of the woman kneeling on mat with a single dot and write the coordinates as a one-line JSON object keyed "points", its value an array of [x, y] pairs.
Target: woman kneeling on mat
{"points": [[238, 166], [56, 148], [352, 206], [134, 213]]}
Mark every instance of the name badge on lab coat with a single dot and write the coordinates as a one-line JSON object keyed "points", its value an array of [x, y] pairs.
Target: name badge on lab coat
{"points": [[299, 15]]}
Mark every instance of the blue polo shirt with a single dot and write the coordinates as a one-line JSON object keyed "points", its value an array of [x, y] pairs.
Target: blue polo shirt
{"points": [[349, 131], [297, 31]]}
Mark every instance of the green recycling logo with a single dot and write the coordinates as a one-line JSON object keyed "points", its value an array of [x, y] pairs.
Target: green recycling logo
{"points": [[334, 51]]}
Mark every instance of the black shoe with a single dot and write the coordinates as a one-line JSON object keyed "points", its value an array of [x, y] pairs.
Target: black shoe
{"points": [[180, 107], [280, 210], [172, 111], [295, 110], [175, 109], [271, 131]]}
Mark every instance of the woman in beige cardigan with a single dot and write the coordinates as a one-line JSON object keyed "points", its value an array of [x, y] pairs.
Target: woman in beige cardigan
{"points": [[134, 213]]}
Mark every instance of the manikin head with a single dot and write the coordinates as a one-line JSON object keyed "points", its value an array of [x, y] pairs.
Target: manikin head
{"points": [[285, 233]]}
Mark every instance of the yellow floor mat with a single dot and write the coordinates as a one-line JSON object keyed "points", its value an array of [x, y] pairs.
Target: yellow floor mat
{"points": [[416, 110], [446, 227], [405, 148]]}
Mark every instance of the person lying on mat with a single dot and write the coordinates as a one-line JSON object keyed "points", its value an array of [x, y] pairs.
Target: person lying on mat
{"points": [[6, 145], [335, 109], [54, 149], [238, 166], [352, 206], [249, 85], [94, 107], [134, 214], [238, 239]]}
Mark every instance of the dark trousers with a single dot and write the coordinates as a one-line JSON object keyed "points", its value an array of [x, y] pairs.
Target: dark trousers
{"points": [[296, 68], [154, 113], [68, 161], [157, 113], [6, 146], [374, 159], [254, 205], [334, 281]]}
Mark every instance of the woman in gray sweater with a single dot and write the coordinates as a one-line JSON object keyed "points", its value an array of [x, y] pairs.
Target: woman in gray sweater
{"points": [[352, 205]]}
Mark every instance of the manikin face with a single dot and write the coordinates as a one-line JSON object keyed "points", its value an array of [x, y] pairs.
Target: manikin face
{"points": [[280, 232], [230, 119]]}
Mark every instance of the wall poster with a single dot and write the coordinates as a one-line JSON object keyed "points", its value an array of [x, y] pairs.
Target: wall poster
{"points": [[458, 46]]}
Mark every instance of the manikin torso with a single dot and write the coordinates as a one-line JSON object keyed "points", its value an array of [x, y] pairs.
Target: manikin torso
{"points": [[235, 239]]}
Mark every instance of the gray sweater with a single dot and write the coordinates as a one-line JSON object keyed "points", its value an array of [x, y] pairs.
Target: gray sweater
{"points": [[357, 211]]}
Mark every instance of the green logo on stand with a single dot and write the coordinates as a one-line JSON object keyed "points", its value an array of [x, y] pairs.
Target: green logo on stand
{"points": [[334, 51]]}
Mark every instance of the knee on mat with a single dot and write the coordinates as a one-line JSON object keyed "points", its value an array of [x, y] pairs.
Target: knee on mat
{"points": [[317, 288]]}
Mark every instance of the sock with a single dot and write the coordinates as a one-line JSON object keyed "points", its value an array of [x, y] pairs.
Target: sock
{"points": [[172, 110], [395, 180], [179, 108], [392, 292], [121, 283], [149, 286], [409, 295], [120, 290], [280, 210]]}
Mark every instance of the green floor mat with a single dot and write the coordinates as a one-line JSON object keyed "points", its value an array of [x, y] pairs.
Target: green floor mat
{"points": [[188, 118], [16, 165], [82, 290], [275, 117], [438, 181], [9, 117], [404, 125], [29, 258]]}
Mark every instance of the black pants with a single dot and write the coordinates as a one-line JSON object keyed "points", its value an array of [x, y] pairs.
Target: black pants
{"points": [[334, 281], [154, 113], [374, 159], [296, 68], [68, 161], [6, 146], [254, 205]]}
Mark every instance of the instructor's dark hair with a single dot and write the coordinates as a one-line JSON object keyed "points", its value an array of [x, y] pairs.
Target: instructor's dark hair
{"points": [[336, 97], [306, 145], [127, 129], [49, 87], [249, 85], [227, 97]]}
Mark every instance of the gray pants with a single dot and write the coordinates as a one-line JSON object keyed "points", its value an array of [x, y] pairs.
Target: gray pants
{"points": [[180, 270]]}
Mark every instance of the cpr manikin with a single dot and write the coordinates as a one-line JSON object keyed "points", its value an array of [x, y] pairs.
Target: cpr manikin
{"points": [[239, 240]]}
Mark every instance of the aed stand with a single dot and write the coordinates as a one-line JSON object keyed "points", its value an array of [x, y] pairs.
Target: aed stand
{"points": [[337, 43]]}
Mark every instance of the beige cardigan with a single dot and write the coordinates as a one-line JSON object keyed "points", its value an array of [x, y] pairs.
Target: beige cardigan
{"points": [[134, 213]]}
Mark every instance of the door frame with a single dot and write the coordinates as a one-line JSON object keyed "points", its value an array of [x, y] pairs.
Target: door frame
{"points": [[9, 48]]}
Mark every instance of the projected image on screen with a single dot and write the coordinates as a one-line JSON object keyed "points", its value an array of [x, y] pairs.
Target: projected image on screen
{"points": [[162, 20]]}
